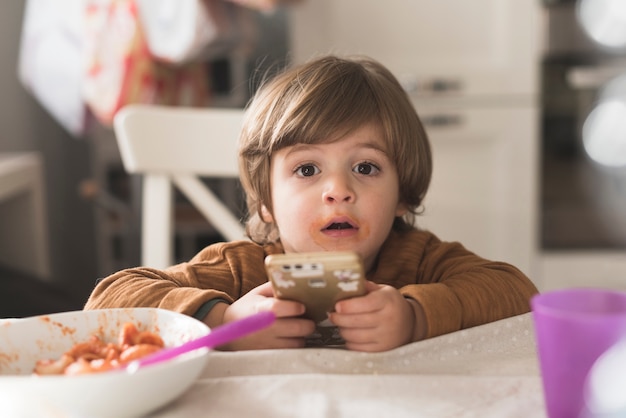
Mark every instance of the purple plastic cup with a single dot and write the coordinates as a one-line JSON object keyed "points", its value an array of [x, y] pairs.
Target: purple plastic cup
{"points": [[573, 327]]}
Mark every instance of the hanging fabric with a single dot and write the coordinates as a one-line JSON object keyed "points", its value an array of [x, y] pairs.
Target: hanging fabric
{"points": [[120, 68], [50, 60], [180, 31], [86, 58]]}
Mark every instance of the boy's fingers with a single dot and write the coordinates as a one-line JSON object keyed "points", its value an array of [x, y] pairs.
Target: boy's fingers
{"points": [[371, 286], [265, 290], [281, 308]]}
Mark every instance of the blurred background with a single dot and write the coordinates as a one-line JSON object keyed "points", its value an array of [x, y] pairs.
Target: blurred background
{"points": [[522, 100]]}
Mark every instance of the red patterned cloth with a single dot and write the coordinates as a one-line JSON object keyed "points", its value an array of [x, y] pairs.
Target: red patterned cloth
{"points": [[120, 69]]}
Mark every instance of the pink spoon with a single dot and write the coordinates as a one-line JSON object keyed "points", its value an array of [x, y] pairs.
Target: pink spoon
{"points": [[218, 336]]}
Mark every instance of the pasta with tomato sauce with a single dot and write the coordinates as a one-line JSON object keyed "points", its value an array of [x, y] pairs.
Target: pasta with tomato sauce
{"points": [[95, 355]]}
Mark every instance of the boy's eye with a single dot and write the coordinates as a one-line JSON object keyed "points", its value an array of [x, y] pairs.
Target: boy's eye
{"points": [[307, 170], [366, 169]]}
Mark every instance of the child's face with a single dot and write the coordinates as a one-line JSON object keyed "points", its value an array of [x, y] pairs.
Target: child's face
{"points": [[336, 196]]}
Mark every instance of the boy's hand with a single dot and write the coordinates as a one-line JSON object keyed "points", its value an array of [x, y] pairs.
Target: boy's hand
{"points": [[378, 321], [286, 332]]}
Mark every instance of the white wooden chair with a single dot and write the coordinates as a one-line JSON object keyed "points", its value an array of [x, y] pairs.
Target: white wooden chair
{"points": [[176, 146]]}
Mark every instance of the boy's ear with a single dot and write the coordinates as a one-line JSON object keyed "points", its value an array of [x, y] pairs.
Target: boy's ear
{"points": [[266, 215], [401, 209]]}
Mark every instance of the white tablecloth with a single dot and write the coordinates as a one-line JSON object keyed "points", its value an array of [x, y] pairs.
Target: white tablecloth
{"points": [[486, 371]]}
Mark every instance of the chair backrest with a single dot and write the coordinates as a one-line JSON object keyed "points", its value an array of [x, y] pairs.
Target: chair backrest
{"points": [[176, 146]]}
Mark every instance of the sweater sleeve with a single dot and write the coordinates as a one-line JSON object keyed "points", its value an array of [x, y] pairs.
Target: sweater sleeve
{"points": [[456, 288], [225, 271], [486, 294]]}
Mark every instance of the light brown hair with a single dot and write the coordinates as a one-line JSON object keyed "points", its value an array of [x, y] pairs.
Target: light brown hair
{"points": [[322, 101]]}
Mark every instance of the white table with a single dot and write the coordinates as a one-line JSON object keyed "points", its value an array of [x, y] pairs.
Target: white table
{"points": [[23, 224], [486, 371]]}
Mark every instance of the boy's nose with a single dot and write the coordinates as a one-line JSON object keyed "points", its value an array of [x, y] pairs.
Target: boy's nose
{"points": [[338, 189]]}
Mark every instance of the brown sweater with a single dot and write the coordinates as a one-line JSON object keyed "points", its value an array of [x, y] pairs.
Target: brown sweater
{"points": [[456, 288]]}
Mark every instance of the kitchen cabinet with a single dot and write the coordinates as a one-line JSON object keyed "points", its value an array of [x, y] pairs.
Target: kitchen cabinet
{"points": [[23, 219], [483, 189], [458, 47]]}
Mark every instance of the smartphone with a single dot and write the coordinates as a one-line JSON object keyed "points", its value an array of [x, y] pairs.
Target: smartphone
{"points": [[318, 280]]}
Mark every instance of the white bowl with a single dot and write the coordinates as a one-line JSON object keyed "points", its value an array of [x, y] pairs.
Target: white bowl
{"points": [[116, 394]]}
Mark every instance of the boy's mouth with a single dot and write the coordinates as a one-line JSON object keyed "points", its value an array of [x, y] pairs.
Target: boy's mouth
{"points": [[340, 225]]}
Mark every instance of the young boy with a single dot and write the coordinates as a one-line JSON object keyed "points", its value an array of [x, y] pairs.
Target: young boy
{"points": [[333, 157]]}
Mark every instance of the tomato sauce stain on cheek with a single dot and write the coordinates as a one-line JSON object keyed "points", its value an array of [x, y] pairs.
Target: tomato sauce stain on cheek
{"points": [[315, 232]]}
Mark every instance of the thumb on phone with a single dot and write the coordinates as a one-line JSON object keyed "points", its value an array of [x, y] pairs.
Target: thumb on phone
{"points": [[371, 286]]}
